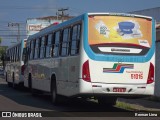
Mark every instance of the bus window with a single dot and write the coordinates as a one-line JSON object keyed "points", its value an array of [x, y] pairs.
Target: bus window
{"points": [[49, 45], [45, 45], [56, 45], [65, 42], [26, 52], [32, 49], [39, 47], [14, 54], [10, 53], [36, 49], [75, 39], [29, 49], [19, 52], [42, 47]]}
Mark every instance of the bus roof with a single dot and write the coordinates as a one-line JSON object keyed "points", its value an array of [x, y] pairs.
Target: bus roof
{"points": [[121, 14], [79, 18], [53, 27], [15, 44]]}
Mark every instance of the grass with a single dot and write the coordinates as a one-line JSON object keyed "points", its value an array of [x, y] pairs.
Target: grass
{"points": [[124, 105], [133, 107]]}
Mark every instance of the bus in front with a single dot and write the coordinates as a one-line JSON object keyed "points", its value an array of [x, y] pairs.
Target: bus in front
{"points": [[118, 56]]}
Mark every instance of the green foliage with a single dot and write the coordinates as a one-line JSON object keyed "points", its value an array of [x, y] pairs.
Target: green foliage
{"points": [[124, 105], [2, 50], [0, 40]]}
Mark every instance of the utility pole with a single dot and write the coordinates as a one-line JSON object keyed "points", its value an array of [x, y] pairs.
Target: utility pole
{"points": [[18, 25], [62, 14], [57, 14]]}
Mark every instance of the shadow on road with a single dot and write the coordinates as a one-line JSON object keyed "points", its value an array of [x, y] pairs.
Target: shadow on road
{"points": [[43, 102]]}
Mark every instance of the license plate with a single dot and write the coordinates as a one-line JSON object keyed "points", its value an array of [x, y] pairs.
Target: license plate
{"points": [[119, 89]]}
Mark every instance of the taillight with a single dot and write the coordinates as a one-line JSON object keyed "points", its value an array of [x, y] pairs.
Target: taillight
{"points": [[151, 74], [86, 72], [22, 69]]}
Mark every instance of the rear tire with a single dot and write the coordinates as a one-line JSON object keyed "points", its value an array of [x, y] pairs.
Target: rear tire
{"points": [[9, 84], [107, 101], [34, 92], [6, 77], [54, 95], [30, 82]]}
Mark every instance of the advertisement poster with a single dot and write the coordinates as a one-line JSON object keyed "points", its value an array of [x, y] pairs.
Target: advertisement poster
{"points": [[119, 29]]}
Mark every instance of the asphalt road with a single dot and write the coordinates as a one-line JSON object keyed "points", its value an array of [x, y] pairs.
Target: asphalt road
{"points": [[22, 100]]}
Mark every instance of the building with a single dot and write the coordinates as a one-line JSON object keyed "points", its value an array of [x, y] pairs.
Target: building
{"points": [[158, 32], [34, 25], [155, 13]]}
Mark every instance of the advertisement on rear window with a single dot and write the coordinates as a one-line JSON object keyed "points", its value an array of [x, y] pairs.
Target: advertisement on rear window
{"points": [[119, 35]]}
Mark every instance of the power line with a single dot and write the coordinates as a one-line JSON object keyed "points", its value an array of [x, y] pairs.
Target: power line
{"points": [[3, 21], [12, 30], [28, 8], [10, 35], [17, 25]]}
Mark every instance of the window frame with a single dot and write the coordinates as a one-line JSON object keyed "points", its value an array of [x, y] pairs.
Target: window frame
{"points": [[67, 42], [49, 46], [56, 44], [77, 39]]}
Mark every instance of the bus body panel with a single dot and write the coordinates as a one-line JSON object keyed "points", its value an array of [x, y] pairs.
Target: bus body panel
{"points": [[117, 74], [110, 74], [120, 74], [65, 70], [13, 67]]}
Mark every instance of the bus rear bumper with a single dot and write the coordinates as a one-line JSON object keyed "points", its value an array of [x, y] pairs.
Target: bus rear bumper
{"points": [[126, 89], [123, 90]]}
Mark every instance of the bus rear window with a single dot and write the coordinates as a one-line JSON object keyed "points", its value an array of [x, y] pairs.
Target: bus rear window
{"points": [[119, 35]]}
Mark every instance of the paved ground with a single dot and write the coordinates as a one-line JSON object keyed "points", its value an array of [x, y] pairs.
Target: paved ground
{"points": [[22, 100], [143, 104]]}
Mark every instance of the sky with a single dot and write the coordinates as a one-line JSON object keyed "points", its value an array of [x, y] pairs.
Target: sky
{"points": [[18, 11]]}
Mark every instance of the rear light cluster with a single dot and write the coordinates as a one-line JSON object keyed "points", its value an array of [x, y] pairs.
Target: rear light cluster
{"points": [[151, 74], [86, 71]]}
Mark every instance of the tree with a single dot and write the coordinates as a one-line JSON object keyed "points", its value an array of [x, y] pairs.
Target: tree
{"points": [[0, 40], [2, 49], [2, 55]]}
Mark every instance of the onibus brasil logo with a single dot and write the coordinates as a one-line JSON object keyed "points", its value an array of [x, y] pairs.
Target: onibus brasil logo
{"points": [[118, 68]]}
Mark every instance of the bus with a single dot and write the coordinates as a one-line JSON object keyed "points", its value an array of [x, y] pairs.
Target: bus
{"points": [[95, 55], [14, 64]]}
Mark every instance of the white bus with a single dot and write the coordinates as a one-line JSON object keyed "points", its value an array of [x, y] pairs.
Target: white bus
{"points": [[14, 64], [100, 55]]}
